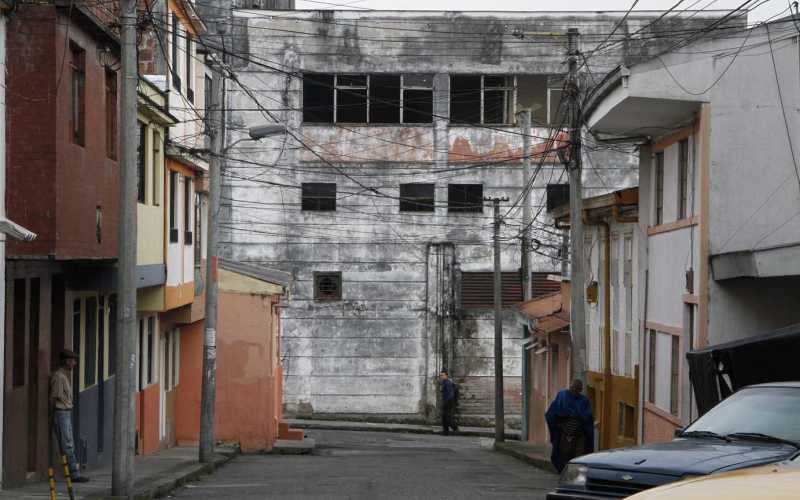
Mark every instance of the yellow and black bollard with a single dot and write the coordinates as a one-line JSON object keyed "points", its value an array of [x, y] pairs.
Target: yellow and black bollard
{"points": [[51, 480], [68, 477]]}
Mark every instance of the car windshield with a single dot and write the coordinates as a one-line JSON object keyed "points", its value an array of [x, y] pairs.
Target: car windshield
{"points": [[764, 410]]}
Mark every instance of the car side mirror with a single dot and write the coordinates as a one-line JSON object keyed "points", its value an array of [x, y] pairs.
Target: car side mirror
{"points": [[678, 432]]}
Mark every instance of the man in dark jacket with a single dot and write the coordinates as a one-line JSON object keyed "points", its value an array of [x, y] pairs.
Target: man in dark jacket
{"points": [[449, 396], [571, 425]]}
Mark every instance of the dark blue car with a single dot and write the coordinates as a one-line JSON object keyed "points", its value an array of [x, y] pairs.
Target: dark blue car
{"points": [[757, 425]]}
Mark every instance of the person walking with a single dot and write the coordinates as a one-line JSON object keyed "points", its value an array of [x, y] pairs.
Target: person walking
{"points": [[61, 406], [571, 425], [449, 397]]}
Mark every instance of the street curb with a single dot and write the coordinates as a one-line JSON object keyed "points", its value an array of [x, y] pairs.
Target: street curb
{"points": [[396, 428], [167, 485], [536, 460]]}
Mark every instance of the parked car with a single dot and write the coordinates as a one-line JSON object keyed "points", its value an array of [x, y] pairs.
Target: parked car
{"points": [[757, 425], [778, 481]]}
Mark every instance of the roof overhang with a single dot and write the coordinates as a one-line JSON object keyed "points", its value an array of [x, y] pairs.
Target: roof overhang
{"points": [[14, 230], [628, 197], [760, 263]]}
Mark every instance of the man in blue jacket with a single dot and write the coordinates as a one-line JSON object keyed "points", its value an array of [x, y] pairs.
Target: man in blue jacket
{"points": [[571, 425], [449, 397]]}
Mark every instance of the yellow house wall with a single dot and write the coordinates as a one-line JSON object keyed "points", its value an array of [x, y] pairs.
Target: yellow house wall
{"points": [[237, 283]]}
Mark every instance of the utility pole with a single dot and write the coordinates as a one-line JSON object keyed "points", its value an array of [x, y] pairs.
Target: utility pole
{"points": [[122, 472], [525, 263], [499, 412], [209, 385], [578, 284], [525, 248]]}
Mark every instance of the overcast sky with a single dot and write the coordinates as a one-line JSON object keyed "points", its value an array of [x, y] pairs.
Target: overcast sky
{"points": [[767, 10]]}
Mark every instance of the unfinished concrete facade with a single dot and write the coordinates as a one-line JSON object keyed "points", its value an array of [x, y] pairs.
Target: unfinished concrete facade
{"points": [[400, 123]]}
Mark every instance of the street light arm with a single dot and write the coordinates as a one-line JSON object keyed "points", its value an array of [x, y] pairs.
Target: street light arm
{"points": [[257, 133]]}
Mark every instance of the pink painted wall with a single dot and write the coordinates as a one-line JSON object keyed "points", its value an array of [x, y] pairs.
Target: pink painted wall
{"points": [[248, 375], [187, 402], [249, 381]]}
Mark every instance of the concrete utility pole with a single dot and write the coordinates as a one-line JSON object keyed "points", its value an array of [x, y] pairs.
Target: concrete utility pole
{"points": [[209, 385], [218, 151], [525, 248], [525, 263], [578, 284], [499, 412], [122, 473]]}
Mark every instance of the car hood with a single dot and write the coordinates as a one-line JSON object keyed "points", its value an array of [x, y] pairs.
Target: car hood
{"points": [[687, 456]]}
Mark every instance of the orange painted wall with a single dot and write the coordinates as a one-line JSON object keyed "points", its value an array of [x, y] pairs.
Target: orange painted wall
{"points": [[147, 419], [249, 380], [187, 402], [248, 375]]}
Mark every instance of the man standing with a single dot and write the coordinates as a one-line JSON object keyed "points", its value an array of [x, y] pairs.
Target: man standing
{"points": [[61, 404], [449, 396], [571, 425]]}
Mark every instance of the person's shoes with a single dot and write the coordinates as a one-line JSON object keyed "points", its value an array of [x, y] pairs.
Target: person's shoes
{"points": [[80, 479]]}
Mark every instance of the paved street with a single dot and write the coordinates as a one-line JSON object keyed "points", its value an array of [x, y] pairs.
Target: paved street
{"points": [[370, 465]]}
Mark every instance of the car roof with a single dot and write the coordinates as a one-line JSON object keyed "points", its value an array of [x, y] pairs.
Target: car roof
{"points": [[776, 384]]}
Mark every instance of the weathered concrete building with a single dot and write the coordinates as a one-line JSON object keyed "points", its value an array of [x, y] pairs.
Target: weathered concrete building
{"points": [[400, 123]]}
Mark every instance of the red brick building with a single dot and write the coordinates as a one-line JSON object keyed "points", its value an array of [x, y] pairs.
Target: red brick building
{"points": [[62, 183]]}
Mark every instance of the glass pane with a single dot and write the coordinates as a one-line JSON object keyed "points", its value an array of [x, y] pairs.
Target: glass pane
{"points": [[496, 81], [767, 410]]}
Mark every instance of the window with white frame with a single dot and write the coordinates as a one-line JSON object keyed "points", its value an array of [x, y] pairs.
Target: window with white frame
{"points": [[664, 371], [171, 359], [148, 331], [367, 98], [487, 99]]}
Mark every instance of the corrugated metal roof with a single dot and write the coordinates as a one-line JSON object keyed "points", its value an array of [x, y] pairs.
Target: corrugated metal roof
{"points": [[477, 288]]}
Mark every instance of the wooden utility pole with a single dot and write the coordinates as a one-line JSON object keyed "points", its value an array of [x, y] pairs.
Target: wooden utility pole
{"points": [[123, 446], [578, 284], [499, 412]]}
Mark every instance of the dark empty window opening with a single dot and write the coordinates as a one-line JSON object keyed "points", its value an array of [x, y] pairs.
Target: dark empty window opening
{"points": [[173, 207], [417, 197], [141, 164], [465, 98], [176, 78], [78, 94], [417, 98], [361, 98], [482, 99], [317, 196], [317, 98], [384, 99], [465, 198], [328, 286], [351, 99]]}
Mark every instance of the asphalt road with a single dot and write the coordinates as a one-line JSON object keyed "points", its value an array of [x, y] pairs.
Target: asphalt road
{"points": [[376, 465]]}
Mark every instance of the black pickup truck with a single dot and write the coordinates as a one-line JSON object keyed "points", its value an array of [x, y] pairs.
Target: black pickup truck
{"points": [[756, 425]]}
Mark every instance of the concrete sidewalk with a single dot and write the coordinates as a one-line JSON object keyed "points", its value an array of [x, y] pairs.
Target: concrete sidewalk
{"points": [[156, 475], [342, 425], [534, 454]]}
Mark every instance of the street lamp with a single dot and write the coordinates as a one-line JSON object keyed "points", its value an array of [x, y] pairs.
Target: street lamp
{"points": [[209, 384], [257, 133]]}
